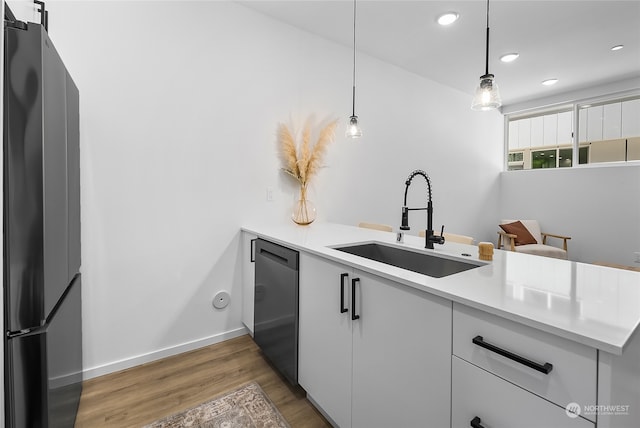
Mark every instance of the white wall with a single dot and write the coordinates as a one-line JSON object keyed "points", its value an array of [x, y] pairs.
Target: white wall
{"points": [[598, 206], [412, 123], [179, 107]]}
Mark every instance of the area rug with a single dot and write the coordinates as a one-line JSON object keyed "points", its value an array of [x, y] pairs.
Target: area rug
{"points": [[245, 407]]}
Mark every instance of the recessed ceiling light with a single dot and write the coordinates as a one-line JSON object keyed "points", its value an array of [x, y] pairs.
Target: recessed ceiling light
{"points": [[549, 82], [509, 57], [448, 18], [617, 47]]}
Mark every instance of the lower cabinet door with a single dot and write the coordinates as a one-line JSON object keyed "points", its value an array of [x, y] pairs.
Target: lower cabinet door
{"points": [[401, 356], [324, 346], [481, 399]]}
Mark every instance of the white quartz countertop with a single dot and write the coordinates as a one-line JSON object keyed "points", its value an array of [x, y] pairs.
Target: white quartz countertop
{"points": [[593, 305]]}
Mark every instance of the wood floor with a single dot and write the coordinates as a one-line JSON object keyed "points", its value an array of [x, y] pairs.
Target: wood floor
{"points": [[140, 395]]}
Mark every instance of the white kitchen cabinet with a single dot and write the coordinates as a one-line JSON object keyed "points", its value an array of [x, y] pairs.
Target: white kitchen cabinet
{"points": [[550, 128], [524, 133], [594, 123], [401, 355], [556, 369], [631, 118], [543, 131], [619, 386], [513, 135], [492, 402], [520, 134], [565, 126], [388, 367], [537, 131], [612, 121], [248, 278], [324, 342]]}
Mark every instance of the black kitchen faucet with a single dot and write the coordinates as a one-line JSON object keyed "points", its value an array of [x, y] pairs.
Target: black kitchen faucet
{"points": [[430, 238]]}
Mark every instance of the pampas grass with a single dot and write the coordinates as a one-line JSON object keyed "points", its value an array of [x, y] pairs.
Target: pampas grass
{"points": [[303, 161]]}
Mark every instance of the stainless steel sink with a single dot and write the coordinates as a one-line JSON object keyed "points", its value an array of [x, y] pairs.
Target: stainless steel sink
{"points": [[413, 260]]}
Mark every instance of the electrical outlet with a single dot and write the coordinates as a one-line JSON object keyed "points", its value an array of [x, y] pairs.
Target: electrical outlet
{"points": [[269, 194], [637, 254]]}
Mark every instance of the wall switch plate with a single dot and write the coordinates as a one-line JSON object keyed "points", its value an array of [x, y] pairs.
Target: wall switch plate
{"points": [[637, 254], [269, 194]]}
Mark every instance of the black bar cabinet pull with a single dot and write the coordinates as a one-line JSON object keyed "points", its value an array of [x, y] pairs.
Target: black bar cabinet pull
{"points": [[542, 368], [253, 250], [353, 297], [475, 422], [342, 277]]}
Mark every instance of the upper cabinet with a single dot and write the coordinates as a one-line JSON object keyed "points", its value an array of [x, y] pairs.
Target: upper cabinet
{"points": [[565, 128], [524, 133], [548, 130], [630, 111], [610, 121], [594, 123], [514, 134], [537, 131]]}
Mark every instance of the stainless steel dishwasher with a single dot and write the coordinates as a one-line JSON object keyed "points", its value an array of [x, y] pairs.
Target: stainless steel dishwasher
{"points": [[276, 306]]}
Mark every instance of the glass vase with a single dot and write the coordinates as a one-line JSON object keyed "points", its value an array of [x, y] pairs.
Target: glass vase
{"points": [[304, 211]]}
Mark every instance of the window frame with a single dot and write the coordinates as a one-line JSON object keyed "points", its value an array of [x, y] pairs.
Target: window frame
{"points": [[574, 107]]}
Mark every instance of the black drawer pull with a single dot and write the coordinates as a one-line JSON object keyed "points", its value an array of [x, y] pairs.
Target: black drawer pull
{"points": [[475, 422], [353, 297], [542, 368], [342, 277]]}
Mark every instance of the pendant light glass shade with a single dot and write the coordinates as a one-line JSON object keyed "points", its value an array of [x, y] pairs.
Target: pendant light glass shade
{"points": [[353, 130], [487, 96]]}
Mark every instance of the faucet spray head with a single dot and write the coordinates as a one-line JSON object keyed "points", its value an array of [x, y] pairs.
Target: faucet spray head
{"points": [[405, 219]]}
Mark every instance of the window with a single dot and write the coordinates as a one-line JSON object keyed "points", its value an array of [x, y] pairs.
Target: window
{"points": [[608, 131]]}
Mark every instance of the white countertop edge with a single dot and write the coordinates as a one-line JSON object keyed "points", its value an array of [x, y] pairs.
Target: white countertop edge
{"points": [[403, 277]]}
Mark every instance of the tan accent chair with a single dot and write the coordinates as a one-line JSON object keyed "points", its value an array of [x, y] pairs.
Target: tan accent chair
{"points": [[376, 226], [540, 248], [451, 237]]}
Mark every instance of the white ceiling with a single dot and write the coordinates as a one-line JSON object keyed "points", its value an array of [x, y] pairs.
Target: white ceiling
{"points": [[567, 40]]}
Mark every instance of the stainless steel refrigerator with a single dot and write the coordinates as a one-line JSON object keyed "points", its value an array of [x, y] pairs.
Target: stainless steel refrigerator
{"points": [[41, 221]]}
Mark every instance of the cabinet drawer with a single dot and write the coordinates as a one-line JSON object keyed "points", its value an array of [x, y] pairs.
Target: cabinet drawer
{"points": [[477, 393], [573, 367]]}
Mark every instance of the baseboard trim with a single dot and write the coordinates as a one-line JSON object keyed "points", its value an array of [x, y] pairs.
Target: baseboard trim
{"points": [[127, 363]]}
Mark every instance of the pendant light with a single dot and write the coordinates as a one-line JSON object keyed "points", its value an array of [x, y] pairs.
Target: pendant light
{"points": [[487, 96], [353, 129]]}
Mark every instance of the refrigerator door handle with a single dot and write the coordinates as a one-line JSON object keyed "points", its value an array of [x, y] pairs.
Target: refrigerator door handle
{"points": [[26, 332]]}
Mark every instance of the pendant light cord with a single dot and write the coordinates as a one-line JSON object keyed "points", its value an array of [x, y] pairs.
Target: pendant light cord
{"points": [[487, 55], [354, 59]]}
